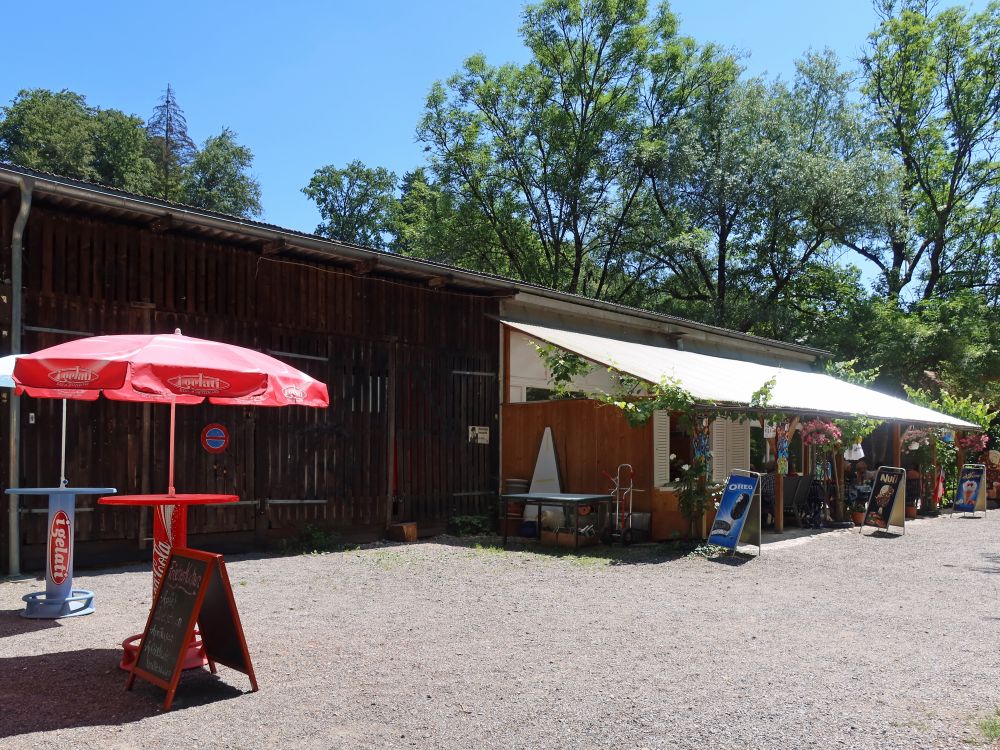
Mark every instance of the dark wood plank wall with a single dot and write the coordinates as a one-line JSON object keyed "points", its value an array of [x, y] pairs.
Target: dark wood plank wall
{"points": [[402, 361]]}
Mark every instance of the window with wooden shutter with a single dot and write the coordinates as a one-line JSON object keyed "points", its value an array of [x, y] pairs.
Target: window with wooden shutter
{"points": [[661, 448], [730, 447]]}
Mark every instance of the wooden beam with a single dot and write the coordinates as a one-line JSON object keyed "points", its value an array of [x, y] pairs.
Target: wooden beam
{"points": [[364, 267], [274, 247], [779, 502], [436, 282], [897, 445], [162, 224]]}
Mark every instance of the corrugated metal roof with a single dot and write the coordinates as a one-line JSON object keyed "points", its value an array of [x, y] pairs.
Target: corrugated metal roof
{"points": [[317, 246]]}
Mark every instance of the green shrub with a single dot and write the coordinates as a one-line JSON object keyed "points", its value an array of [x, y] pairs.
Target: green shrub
{"points": [[990, 727], [469, 525], [310, 538]]}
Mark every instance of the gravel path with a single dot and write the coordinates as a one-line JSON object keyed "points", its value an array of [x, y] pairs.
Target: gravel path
{"points": [[833, 641]]}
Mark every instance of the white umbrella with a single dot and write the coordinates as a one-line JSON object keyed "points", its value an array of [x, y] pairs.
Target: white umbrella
{"points": [[7, 371], [7, 381]]}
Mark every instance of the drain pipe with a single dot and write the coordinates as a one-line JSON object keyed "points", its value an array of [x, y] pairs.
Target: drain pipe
{"points": [[26, 185]]}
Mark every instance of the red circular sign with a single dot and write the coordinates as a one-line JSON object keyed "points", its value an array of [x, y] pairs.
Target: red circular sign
{"points": [[214, 438]]}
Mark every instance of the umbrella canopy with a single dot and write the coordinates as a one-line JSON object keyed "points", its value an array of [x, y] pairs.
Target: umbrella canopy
{"points": [[165, 368], [7, 371], [168, 368]]}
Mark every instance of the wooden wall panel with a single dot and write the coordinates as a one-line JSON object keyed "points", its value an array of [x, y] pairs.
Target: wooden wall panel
{"points": [[375, 341], [590, 439]]}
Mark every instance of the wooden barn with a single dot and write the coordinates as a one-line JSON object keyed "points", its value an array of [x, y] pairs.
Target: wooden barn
{"points": [[437, 393], [408, 349]]}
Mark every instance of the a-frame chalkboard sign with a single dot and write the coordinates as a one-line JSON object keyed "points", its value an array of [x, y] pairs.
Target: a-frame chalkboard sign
{"points": [[195, 589]]}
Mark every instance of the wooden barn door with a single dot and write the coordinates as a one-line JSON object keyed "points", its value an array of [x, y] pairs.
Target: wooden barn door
{"points": [[328, 467], [439, 472]]}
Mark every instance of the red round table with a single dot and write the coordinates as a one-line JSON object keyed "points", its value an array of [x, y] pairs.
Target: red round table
{"points": [[169, 531]]}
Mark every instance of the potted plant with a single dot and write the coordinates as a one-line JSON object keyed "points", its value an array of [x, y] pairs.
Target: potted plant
{"points": [[696, 498], [858, 508]]}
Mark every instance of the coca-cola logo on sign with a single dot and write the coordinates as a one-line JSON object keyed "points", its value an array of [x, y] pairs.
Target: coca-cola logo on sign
{"points": [[59, 547], [73, 376], [198, 383]]}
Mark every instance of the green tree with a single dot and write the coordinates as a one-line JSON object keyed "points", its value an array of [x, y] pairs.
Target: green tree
{"points": [[355, 203], [170, 147], [50, 131], [121, 152], [932, 82], [551, 145], [59, 132], [772, 175], [433, 222], [218, 178]]}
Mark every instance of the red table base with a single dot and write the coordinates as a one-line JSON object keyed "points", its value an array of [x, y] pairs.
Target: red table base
{"points": [[169, 531], [194, 659]]}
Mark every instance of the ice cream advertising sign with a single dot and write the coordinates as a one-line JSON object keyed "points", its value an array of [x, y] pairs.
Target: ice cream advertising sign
{"points": [[887, 500], [971, 489], [740, 501]]}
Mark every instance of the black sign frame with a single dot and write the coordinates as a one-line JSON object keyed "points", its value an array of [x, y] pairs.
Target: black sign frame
{"points": [[209, 604], [893, 513]]}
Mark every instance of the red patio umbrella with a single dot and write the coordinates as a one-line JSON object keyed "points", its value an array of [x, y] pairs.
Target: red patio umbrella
{"points": [[165, 368]]}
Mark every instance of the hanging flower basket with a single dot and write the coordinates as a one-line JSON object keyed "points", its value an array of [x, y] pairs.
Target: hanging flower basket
{"points": [[975, 443], [821, 434], [915, 439]]}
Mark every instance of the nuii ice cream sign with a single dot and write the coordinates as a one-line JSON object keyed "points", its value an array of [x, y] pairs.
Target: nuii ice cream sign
{"points": [[60, 551]]}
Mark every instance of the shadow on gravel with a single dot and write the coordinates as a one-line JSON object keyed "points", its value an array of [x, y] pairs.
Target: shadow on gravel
{"points": [[993, 564], [85, 688], [635, 554], [882, 535], [11, 623], [733, 561]]}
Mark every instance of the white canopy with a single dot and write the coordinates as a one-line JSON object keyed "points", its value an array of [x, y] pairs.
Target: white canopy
{"points": [[717, 380], [7, 371]]}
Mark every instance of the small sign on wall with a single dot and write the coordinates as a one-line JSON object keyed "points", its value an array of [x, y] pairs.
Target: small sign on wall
{"points": [[479, 435]]}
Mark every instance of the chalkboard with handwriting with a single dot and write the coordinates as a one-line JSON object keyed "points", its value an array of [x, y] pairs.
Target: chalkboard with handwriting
{"points": [[195, 588], [168, 633]]}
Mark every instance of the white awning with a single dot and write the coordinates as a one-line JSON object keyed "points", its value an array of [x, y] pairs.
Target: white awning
{"points": [[721, 381]]}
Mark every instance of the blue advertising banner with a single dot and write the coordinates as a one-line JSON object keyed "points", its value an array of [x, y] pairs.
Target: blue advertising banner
{"points": [[733, 510], [971, 485]]}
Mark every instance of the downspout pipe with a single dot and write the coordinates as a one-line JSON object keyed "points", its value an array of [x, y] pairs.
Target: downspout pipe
{"points": [[26, 186]]}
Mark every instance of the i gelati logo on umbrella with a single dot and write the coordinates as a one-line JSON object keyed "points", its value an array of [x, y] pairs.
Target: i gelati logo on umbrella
{"points": [[293, 393], [199, 383], [73, 376]]}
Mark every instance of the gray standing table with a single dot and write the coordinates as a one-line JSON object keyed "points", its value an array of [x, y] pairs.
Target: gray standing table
{"points": [[568, 501], [60, 599]]}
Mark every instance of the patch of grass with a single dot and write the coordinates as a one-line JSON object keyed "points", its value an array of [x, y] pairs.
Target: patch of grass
{"points": [[990, 727], [312, 540], [488, 549], [387, 559], [707, 551]]}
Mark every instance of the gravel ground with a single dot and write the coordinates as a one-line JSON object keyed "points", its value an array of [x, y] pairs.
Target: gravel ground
{"points": [[830, 641]]}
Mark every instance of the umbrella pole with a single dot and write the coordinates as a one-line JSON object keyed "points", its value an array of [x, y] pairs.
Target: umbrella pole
{"points": [[62, 458], [173, 416]]}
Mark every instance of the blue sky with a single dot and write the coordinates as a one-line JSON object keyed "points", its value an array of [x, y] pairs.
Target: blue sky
{"points": [[306, 84]]}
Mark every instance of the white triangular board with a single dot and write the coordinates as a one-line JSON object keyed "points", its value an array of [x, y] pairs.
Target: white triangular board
{"points": [[546, 475]]}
